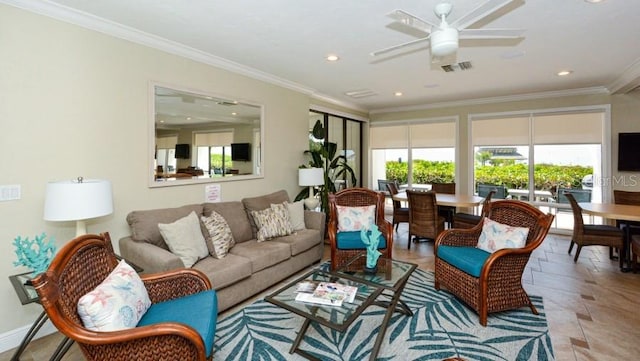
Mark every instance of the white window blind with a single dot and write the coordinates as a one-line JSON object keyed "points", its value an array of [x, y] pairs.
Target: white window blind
{"points": [[500, 131], [168, 142], [433, 135], [213, 139], [389, 137], [577, 128]]}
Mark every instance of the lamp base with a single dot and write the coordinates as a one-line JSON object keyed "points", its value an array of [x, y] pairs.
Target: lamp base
{"points": [[311, 203]]}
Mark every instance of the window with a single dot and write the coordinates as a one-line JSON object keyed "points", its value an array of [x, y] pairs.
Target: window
{"points": [[536, 156], [166, 153], [414, 153], [214, 152]]}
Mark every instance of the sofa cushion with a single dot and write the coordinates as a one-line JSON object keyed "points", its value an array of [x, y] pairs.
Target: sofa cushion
{"points": [[226, 271], [352, 240], [117, 303], [144, 224], [262, 202], [262, 254], [236, 217], [185, 240], [199, 311], [272, 222], [468, 259], [218, 237], [301, 241]]}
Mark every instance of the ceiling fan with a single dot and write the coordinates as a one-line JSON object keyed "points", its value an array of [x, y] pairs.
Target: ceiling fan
{"points": [[444, 37]]}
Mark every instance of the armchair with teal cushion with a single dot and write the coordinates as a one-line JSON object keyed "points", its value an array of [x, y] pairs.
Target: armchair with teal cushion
{"points": [[345, 245], [180, 324], [490, 282]]}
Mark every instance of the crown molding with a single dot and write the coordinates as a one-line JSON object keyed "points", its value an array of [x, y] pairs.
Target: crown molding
{"points": [[502, 99], [331, 100], [629, 80], [92, 22]]}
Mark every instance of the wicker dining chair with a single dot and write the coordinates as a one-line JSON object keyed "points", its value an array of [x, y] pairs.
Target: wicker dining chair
{"points": [[82, 264], [593, 234], [447, 212], [400, 213], [466, 220], [424, 220], [344, 245], [490, 282], [628, 198]]}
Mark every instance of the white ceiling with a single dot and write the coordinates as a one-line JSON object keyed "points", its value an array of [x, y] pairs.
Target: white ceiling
{"points": [[286, 42]]}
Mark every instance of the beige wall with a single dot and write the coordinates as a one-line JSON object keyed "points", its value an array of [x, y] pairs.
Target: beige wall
{"points": [[625, 117], [74, 102]]}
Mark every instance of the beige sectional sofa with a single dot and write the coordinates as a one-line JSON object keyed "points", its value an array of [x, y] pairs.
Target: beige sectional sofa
{"points": [[249, 267]]}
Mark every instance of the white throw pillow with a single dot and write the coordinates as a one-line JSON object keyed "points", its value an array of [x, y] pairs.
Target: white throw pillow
{"points": [[185, 240], [355, 218], [117, 303], [296, 215], [220, 235], [272, 222], [496, 236]]}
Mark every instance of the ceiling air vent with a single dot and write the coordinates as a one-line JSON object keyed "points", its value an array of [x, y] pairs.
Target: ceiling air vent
{"points": [[465, 65], [362, 93]]}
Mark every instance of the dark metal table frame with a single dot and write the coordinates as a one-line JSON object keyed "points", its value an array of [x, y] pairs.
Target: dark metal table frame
{"points": [[392, 290]]}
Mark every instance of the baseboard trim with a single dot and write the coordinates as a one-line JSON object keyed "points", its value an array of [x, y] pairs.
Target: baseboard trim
{"points": [[12, 338]]}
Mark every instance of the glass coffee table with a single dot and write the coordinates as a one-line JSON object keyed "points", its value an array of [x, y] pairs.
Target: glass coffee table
{"points": [[382, 289]]}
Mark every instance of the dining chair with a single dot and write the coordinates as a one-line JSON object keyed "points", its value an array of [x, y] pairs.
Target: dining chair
{"points": [[445, 211], [467, 220], [593, 234], [490, 282], [424, 220], [345, 245], [400, 214], [628, 198], [635, 251]]}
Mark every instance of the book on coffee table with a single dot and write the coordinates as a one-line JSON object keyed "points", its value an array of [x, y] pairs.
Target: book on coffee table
{"points": [[327, 293]]}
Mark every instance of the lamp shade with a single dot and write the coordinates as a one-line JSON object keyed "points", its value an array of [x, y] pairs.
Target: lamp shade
{"points": [[310, 176], [78, 200]]}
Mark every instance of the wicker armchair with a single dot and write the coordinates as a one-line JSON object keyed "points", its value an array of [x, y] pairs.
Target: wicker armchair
{"points": [[497, 283], [424, 220], [593, 234], [342, 250], [80, 266], [400, 214]]}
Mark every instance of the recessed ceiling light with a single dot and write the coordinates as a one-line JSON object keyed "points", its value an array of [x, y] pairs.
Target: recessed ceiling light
{"points": [[234, 113], [432, 85], [564, 72], [593, 1], [188, 118], [332, 57], [398, 94]]}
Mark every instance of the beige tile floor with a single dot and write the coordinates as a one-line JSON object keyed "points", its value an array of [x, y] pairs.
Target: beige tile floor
{"points": [[592, 308]]}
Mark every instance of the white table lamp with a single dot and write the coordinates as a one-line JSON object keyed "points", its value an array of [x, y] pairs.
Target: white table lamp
{"points": [[78, 200], [311, 177]]}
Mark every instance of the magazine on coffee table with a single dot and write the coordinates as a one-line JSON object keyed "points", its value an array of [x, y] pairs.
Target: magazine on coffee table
{"points": [[326, 293]]}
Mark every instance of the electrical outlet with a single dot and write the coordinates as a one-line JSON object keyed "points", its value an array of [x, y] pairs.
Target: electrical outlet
{"points": [[10, 192]]}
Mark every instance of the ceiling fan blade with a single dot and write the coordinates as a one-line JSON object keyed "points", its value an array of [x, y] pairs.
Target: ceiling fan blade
{"points": [[399, 46], [491, 33], [411, 20], [482, 11]]}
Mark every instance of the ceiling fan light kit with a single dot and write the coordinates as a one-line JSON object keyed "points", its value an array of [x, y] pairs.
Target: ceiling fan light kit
{"points": [[444, 42]]}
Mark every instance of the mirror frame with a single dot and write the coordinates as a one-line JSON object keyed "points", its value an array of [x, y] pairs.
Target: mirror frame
{"points": [[151, 174]]}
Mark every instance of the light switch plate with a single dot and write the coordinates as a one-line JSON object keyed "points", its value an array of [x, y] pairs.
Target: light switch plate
{"points": [[10, 192]]}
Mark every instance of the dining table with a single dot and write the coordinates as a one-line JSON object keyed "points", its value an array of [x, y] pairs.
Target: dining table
{"points": [[447, 200], [621, 212]]}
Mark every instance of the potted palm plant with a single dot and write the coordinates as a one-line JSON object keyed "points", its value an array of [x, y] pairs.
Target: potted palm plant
{"points": [[325, 155]]}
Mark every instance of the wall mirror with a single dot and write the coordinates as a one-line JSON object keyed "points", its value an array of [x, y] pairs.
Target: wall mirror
{"points": [[200, 138]]}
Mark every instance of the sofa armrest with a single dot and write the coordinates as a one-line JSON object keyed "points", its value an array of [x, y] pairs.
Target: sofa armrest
{"points": [[151, 258], [315, 220]]}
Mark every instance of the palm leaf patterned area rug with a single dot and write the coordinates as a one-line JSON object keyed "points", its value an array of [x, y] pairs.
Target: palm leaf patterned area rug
{"points": [[441, 327]]}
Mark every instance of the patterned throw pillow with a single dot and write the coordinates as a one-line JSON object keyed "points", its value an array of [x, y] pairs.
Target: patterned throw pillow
{"points": [[272, 222], [355, 218], [496, 236], [185, 240], [117, 303], [220, 237]]}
